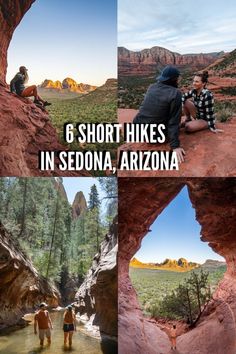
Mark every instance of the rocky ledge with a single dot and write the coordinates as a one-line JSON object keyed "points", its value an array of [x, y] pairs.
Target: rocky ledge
{"points": [[22, 288], [207, 154]]}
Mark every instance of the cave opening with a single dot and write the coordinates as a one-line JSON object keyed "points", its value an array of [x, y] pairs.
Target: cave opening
{"points": [[170, 252]]}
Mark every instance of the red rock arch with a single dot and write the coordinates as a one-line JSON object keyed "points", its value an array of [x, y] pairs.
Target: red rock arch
{"points": [[141, 200]]}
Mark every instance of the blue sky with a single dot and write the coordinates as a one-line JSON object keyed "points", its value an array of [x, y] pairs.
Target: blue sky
{"points": [[186, 26], [175, 234], [73, 38]]}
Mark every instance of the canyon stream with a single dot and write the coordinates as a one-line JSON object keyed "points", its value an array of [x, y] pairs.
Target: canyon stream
{"points": [[24, 341]]}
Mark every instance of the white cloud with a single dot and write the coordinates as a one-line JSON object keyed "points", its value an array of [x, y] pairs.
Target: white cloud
{"points": [[183, 26]]}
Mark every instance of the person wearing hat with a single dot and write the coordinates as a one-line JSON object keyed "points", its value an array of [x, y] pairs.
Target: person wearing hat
{"points": [[17, 85], [43, 320], [69, 325], [162, 104]]}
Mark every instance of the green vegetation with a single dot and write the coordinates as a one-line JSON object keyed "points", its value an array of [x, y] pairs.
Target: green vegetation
{"points": [[131, 90], [231, 91], [99, 106], [225, 110], [187, 301], [39, 217], [226, 62], [153, 285]]}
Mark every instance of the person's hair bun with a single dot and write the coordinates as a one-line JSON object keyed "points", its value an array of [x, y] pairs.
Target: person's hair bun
{"points": [[205, 76]]}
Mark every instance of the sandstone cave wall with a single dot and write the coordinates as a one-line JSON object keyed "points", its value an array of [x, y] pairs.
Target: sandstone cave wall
{"points": [[140, 202]]}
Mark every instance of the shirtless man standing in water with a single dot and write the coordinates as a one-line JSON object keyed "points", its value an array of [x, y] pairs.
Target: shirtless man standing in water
{"points": [[44, 322]]}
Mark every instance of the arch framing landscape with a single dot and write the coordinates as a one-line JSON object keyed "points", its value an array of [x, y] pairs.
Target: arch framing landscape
{"points": [[141, 200]]}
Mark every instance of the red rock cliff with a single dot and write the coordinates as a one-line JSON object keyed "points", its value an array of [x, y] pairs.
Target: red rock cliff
{"points": [[147, 61], [22, 288], [24, 128]]}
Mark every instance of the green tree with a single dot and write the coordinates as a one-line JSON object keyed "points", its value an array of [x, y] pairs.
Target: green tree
{"points": [[187, 301], [94, 201], [109, 187]]}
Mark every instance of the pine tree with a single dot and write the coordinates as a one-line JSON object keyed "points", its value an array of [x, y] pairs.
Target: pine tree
{"points": [[94, 201]]}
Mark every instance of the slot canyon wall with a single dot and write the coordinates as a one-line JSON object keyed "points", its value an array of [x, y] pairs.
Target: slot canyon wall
{"points": [[140, 202], [22, 288]]}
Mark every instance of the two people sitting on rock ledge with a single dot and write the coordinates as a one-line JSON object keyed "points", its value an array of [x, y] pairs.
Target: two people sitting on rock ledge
{"points": [[163, 104], [17, 85]]}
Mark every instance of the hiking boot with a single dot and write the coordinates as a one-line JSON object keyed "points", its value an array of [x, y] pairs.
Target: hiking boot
{"points": [[37, 102], [46, 103]]}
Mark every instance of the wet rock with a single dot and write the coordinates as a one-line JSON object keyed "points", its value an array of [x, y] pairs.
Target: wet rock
{"points": [[22, 288], [97, 296]]}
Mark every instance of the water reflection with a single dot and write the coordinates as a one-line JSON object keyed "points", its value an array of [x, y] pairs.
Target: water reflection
{"points": [[24, 341]]}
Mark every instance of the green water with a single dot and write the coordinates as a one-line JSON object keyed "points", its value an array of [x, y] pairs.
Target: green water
{"points": [[24, 341]]}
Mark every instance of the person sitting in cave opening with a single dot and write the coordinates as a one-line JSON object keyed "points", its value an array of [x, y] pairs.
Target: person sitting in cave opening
{"points": [[69, 325], [43, 320], [17, 85], [162, 104], [199, 111]]}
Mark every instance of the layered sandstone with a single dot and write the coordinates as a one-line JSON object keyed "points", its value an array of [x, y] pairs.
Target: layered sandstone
{"points": [[22, 288], [140, 203], [79, 205], [11, 13], [148, 61], [96, 299]]}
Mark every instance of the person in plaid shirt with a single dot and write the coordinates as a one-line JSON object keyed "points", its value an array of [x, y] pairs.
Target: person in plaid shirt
{"points": [[200, 111]]}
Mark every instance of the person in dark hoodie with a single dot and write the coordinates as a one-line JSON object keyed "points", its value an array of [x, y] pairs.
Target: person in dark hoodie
{"points": [[17, 85], [162, 104]]}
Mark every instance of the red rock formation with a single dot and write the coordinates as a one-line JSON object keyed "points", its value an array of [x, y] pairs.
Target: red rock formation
{"points": [[140, 202], [197, 146], [180, 265], [97, 296], [70, 84], [24, 128], [22, 288], [24, 131], [67, 84], [79, 205], [147, 61], [49, 84]]}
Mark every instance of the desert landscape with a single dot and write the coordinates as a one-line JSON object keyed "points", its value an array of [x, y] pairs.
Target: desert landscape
{"points": [[137, 70]]}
